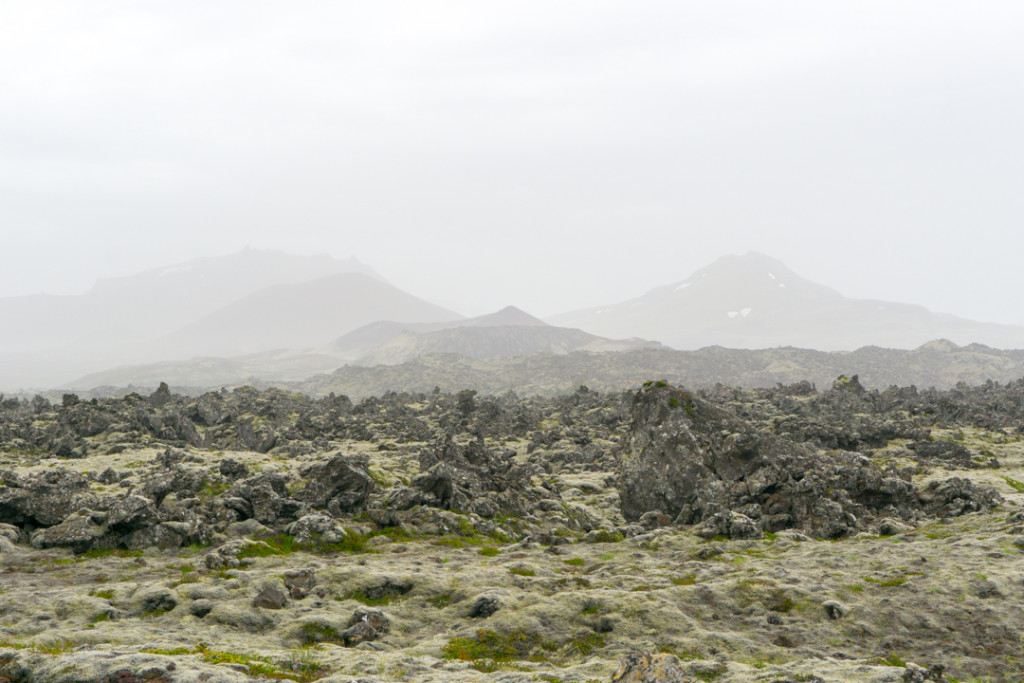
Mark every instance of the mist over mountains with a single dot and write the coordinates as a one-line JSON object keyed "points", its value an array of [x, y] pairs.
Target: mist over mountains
{"points": [[754, 301], [267, 316]]}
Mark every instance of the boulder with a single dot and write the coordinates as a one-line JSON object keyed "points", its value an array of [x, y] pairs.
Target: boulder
{"points": [[152, 600], [365, 625], [42, 499], [77, 532], [271, 595], [341, 485], [131, 513], [651, 668]]}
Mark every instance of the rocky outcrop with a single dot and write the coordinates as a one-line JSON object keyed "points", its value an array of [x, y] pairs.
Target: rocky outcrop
{"points": [[694, 461], [340, 485], [468, 477], [42, 499]]}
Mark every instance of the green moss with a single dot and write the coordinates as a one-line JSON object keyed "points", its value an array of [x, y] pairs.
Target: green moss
{"points": [[97, 553], [283, 544], [491, 649], [605, 536], [303, 670], [313, 632], [887, 583], [684, 580], [55, 647], [778, 601], [489, 551], [522, 571], [211, 489], [585, 643], [574, 561], [441, 600], [1015, 485]]}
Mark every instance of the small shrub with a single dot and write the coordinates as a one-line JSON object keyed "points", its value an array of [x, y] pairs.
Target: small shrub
{"points": [[892, 659]]}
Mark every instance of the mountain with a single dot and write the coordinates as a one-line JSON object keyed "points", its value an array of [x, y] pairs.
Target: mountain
{"points": [[205, 373], [754, 301], [156, 301], [940, 364], [509, 332], [297, 316], [48, 339], [493, 341], [360, 342]]}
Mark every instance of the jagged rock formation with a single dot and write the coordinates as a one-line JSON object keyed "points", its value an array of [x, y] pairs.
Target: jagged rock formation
{"points": [[693, 461]]}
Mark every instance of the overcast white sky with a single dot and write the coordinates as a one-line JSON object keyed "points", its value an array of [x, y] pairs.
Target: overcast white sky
{"points": [[553, 155]]}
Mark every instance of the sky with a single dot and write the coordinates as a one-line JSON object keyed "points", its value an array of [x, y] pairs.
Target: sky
{"points": [[551, 155]]}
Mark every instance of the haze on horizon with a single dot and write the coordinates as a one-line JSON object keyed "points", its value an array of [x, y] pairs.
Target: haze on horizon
{"points": [[551, 156]]}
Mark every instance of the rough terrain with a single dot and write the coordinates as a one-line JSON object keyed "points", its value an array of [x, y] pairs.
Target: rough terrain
{"points": [[772, 535]]}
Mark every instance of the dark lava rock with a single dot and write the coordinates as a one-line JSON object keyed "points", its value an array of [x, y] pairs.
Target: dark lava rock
{"points": [[484, 606], [341, 485], [161, 397], [152, 600], [848, 384], [299, 582], [835, 609], [232, 469], [181, 481], [730, 525], [42, 499], [266, 496], [132, 513], [468, 477], [366, 625], [270, 596], [78, 533], [956, 496], [692, 460], [945, 453], [200, 608]]}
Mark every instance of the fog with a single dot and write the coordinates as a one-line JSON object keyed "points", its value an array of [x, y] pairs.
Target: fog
{"points": [[548, 155]]}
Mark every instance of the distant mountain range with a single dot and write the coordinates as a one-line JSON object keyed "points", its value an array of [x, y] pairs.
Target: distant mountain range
{"points": [[939, 364], [251, 301], [753, 301], [266, 316], [509, 332]]}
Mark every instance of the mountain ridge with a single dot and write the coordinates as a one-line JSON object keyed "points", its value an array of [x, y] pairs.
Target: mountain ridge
{"points": [[755, 301]]}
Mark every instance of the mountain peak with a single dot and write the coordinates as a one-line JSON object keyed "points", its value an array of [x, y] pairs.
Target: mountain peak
{"points": [[510, 316], [755, 301]]}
